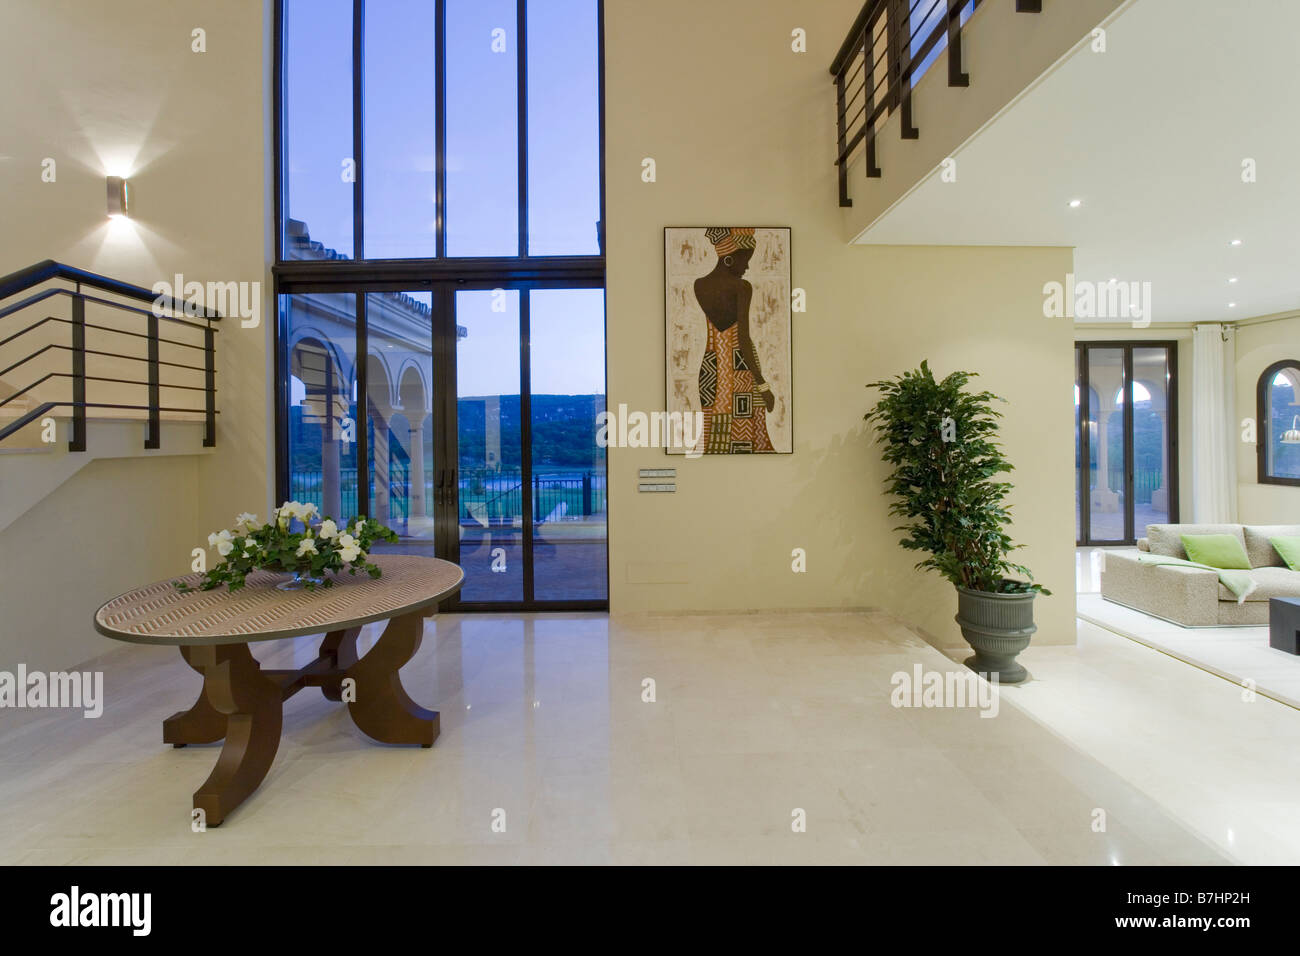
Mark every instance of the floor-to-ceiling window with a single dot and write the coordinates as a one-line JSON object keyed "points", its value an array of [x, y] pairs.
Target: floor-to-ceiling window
{"points": [[1126, 439], [440, 277]]}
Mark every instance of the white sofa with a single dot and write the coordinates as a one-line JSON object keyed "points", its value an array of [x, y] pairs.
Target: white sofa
{"points": [[1194, 597]]}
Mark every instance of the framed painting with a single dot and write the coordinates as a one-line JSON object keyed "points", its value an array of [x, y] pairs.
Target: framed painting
{"points": [[728, 352]]}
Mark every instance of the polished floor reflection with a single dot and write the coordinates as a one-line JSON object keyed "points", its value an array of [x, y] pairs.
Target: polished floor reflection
{"points": [[548, 732], [1223, 761]]}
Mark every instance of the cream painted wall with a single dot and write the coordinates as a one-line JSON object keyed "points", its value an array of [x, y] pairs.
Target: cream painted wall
{"points": [[742, 132], [1259, 345], [113, 526], [113, 88]]}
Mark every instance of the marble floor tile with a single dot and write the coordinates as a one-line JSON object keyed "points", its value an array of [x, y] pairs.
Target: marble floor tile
{"points": [[769, 739]]}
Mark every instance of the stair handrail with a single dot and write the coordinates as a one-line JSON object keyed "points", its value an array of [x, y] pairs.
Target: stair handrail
{"points": [[48, 269], [888, 69]]}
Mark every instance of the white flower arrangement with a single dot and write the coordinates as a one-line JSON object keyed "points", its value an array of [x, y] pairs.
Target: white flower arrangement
{"points": [[312, 551]]}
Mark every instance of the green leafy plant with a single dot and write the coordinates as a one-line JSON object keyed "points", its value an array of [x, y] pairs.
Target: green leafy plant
{"points": [[297, 539], [940, 439]]}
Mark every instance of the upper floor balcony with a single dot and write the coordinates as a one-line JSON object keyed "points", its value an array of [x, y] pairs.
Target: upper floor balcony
{"points": [[915, 80]]}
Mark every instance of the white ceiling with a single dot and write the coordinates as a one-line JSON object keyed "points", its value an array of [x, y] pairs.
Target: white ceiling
{"points": [[1150, 135]]}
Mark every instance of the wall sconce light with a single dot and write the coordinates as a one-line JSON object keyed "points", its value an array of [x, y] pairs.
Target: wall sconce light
{"points": [[1292, 435], [119, 191]]}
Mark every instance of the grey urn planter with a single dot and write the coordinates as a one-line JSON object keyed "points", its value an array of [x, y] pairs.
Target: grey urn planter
{"points": [[997, 627]]}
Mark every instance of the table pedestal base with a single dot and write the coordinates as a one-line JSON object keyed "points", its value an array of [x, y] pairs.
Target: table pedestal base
{"points": [[243, 704]]}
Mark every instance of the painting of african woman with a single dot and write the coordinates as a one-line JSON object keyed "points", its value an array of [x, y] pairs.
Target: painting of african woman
{"points": [[727, 304]]}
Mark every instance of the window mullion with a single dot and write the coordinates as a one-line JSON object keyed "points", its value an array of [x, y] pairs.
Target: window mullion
{"points": [[521, 106], [361, 376], [358, 130], [440, 129]]}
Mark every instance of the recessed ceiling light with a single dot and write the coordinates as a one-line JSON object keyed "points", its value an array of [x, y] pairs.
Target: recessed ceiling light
{"points": [[1235, 242], [1076, 203], [1233, 279]]}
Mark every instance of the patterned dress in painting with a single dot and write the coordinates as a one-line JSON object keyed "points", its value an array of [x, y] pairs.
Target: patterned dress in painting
{"points": [[735, 419], [731, 393]]}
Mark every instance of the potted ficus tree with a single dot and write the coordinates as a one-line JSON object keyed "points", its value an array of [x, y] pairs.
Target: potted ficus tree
{"points": [[940, 439]]}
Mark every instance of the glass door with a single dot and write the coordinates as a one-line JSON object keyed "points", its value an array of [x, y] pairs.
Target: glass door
{"points": [[566, 385], [525, 504], [1125, 440], [486, 489], [466, 421]]}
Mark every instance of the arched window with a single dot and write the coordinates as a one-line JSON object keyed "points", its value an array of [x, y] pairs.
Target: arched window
{"points": [[1279, 423]]}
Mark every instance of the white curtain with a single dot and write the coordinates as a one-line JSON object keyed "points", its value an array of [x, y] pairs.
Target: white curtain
{"points": [[1214, 425]]}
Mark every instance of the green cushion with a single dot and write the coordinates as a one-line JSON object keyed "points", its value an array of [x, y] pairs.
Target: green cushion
{"points": [[1289, 548], [1216, 550]]}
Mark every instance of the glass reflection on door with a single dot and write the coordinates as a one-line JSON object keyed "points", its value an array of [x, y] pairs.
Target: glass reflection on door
{"points": [[320, 330], [399, 417], [1106, 428], [1151, 434], [567, 389], [489, 492]]}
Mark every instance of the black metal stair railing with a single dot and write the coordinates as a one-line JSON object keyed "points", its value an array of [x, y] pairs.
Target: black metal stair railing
{"points": [[890, 43], [161, 309]]}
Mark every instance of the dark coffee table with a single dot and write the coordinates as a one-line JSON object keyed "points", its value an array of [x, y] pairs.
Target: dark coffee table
{"points": [[1284, 624]]}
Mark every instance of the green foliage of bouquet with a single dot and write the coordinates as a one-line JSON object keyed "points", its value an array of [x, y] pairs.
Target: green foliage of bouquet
{"points": [[317, 546]]}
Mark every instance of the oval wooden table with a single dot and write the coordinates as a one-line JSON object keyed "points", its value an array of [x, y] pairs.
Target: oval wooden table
{"points": [[243, 703]]}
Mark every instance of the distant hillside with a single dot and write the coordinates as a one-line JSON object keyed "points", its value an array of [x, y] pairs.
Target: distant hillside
{"points": [[564, 430], [564, 433]]}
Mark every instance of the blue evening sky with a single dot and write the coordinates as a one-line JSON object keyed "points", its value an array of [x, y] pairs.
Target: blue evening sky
{"points": [[482, 160]]}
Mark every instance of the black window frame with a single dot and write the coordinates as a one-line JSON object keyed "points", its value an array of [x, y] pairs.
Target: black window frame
{"points": [[1264, 438], [442, 275]]}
